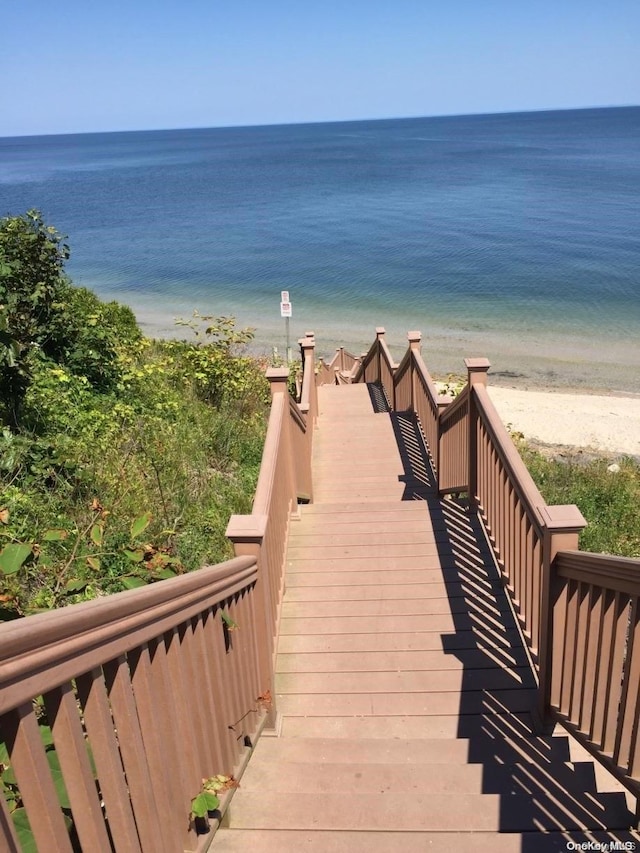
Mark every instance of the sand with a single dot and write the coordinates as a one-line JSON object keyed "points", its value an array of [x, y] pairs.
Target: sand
{"points": [[596, 423]]}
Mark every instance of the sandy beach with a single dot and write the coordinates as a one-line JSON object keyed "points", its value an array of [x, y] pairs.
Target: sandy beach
{"points": [[595, 423]]}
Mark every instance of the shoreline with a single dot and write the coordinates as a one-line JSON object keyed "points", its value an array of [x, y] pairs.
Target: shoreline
{"points": [[557, 401], [602, 425]]}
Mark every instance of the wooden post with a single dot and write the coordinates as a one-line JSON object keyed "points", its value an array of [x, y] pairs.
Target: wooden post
{"points": [[380, 333], [308, 346], [247, 534], [476, 375], [561, 530], [415, 346]]}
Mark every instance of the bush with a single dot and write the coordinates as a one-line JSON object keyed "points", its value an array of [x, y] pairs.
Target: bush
{"points": [[607, 499]]}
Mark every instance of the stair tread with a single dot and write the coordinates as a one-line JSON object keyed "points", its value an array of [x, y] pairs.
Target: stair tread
{"points": [[426, 811], [385, 841]]}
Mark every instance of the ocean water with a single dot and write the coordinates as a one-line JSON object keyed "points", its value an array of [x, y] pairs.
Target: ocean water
{"points": [[514, 236]]}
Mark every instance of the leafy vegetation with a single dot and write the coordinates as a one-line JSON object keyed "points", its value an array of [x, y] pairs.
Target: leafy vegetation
{"points": [[607, 495], [121, 458]]}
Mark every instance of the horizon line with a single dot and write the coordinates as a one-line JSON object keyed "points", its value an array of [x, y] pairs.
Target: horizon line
{"points": [[328, 121]]}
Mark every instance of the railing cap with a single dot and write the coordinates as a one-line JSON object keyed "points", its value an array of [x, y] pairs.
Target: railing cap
{"points": [[414, 336], [477, 365], [247, 528], [307, 343], [563, 517], [277, 374], [477, 370], [380, 332]]}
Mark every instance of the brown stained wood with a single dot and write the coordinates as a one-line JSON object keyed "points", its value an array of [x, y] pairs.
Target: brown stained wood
{"points": [[213, 716], [197, 694], [71, 748], [172, 804], [180, 689], [213, 649], [582, 645], [170, 725], [616, 669], [139, 780], [99, 724], [628, 721], [7, 832], [26, 751]]}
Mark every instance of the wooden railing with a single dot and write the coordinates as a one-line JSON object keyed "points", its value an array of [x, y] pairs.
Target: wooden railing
{"points": [[144, 694], [579, 612], [379, 367], [594, 688], [340, 369], [112, 712]]}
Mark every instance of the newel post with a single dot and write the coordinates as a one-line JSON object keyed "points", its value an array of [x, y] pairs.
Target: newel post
{"points": [[380, 333], [562, 526], [307, 348], [415, 346], [247, 533], [279, 384], [477, 369]]}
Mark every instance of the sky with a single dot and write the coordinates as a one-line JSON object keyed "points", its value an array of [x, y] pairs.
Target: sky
{"points": [[81, 66]]}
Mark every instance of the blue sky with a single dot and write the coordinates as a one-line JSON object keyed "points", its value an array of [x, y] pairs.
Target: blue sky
{"points": [[79, 66]]}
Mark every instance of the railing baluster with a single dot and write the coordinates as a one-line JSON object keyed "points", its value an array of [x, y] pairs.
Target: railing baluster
{"points": [[93, 698], [71, 749], [22, 739]]}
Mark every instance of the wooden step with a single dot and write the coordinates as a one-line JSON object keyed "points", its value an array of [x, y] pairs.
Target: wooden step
{"points": [[437, 703], [387, 841], [575, 782], [399, 661], [546, 750], [390, 683], [511, 649], [423, 811]]}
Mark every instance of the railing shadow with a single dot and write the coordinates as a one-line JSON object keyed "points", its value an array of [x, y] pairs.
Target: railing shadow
{"points": [[379, 402], [539, 789], [419, 477]]}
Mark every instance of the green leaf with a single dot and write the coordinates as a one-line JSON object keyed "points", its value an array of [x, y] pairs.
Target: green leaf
{"points": [[45, 734], [23, 831], [132, 581], [203, 803], [8, 776], [97, 534], [231, 625], [94, 563], [13, 556], [54, 535], [58, 779], [165, 574], [76, 585], [134, 556], [140, 525]]}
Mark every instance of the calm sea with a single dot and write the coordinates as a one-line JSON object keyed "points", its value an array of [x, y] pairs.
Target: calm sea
{"points": [[512, 236]]}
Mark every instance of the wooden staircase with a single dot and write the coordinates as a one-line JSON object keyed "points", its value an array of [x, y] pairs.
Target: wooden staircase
{"points": [[404, 687]]}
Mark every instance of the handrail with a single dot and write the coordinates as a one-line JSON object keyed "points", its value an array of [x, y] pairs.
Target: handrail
{"points": [[168, 692], [117, 676], [595, 660]]}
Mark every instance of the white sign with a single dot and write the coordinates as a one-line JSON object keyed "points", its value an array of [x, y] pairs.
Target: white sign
{"points": [[284, 296], [285, 309]]}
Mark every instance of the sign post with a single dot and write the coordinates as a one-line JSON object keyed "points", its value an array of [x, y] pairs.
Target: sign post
{"points": [[286, 312]]}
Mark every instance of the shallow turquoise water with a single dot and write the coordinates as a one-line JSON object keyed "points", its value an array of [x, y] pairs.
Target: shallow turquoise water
{"points": [[511, 236]]}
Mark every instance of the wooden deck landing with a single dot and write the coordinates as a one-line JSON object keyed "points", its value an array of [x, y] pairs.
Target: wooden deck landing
{"points": [[403, 684]]}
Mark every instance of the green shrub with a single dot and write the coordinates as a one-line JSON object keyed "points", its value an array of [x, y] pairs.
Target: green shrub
{"points": [[608, 499]]}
